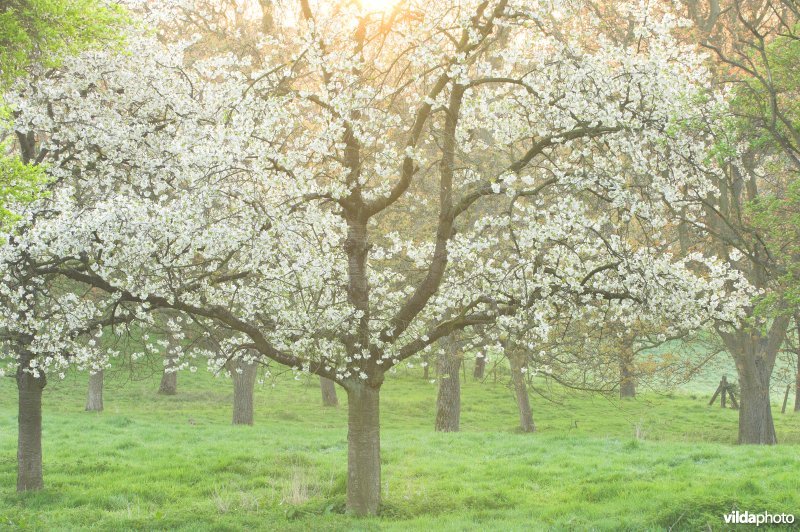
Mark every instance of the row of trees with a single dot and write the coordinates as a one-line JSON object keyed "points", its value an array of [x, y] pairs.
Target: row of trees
{"points": [[343, 189]]}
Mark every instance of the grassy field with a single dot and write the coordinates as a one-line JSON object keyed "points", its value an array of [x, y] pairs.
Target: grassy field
{"points": [[151, 462]]}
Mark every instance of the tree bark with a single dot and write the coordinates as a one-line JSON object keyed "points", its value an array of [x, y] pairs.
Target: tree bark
{"points": [[94, 399], [627, 372], [797, 375], [29, 443], [756, 425], [243, 385], [169, 383], [364, 450], [480, 366], [516, 362], [328, 388], [448, 401], [755, 354]]}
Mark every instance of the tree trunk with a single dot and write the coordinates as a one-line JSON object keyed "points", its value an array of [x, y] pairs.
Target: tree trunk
{"points": [[169, 379], [521, 392], [480, 366], [328, 388], [94, 399], [448, 402], [363, 450], [169, 383], [756, 425], [797, 375], [426, 367], [797, 385], [243, 385], [627, 372], [755, 354], [29, 443]]}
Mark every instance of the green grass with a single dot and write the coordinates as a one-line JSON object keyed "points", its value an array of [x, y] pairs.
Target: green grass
{"points": [[151, 462]]}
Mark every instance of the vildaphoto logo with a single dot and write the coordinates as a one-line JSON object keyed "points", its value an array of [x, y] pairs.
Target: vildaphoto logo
{"points": [[746, 518]]}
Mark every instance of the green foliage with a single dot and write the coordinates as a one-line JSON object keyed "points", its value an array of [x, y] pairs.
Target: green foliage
{"points": [[769, 104], [165, 463], [19, 184], [778, 217], [771, 116], [42, 32], [767, 108], [45, 31]]}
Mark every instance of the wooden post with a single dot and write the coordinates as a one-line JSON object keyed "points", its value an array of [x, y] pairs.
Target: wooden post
{"points": [[724, 386], [725, 391], [734, 404], [785, 398], [716, 393]]}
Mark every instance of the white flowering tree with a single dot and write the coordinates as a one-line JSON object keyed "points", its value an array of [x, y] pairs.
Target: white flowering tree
{"points": [[47, 326], [289, 201]]}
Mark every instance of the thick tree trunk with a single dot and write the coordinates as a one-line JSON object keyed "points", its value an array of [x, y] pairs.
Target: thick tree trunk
{"points": [[480, 366], [521, 392], [755, 355], [364, 450], [243, 385], [328, 388], [94, 399], [448, 402], [29, 443], [756, 425], [627, 372]]}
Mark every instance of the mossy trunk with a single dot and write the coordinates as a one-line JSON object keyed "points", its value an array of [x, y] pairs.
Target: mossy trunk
{"points": [[363, 449], [94, 397], [448, 401], [328, 389], [29, 442]]}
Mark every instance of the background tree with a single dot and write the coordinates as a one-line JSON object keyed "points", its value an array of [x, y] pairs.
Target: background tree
{"points": [[35, 34], [752, 45], [328, 389], [448, 373]]}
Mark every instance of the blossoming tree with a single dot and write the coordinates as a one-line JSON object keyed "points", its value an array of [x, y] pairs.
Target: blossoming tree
{"points": [[268, 199]]}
